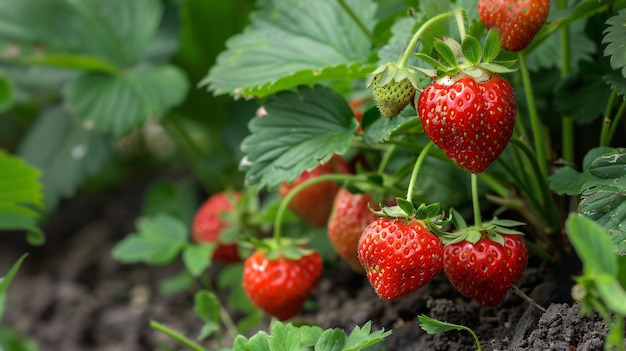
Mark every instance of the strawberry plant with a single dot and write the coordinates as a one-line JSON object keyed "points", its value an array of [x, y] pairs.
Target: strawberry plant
{"points": [[432, 150]]}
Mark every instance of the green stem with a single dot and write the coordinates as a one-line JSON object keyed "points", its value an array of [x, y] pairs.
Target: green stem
{"points": [[358, 22], [606, 121], [411, 46], [176, 336], [386, 157], [616, 121], [478, 222], [416, 169], [535, 122], [460, 22], [336, 177], [567, 130]]}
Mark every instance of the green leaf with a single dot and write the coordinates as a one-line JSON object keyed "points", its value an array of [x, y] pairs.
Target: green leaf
{"points": [[118, 104], [158, 241], [64, 152], [548, 54], [493, 43], [301, 130], [8, 278], [568, 181], [615, 37], [362, 338], [309, 334], [6, 92], [616, 82], [331, 340], [207, 308], [197, 257], [118, 31], [177, 283], [433, 326], [472, 51], [20, 190], [291, 43], [285, 337], [378, 129], [11, 340], [258, 342], [592, 245], [611, 293], [603, 197], [583, 96]]}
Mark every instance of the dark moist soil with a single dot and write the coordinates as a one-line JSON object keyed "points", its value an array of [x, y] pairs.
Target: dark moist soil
{"points": [[70, 295]]}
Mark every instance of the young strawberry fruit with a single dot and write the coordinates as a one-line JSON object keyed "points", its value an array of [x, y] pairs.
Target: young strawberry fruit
{"points": [[350, 216], [517, 20], [394, 88], [314, 204], [399, 256], [208, 225], [470, 119], [280, 286], [485, 271], [393, 97]]}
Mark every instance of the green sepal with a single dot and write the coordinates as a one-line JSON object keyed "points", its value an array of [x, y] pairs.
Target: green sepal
{"points": [[457, 219], [496, 237], [428, 211], [431, 61], [492, 45], [472, 51], [496, 68], [406, 206], [446, 53]]}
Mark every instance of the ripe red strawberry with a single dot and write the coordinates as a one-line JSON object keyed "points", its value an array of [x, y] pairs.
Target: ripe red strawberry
{"points": [[208, 225], [399, 256], [471, 121], [350, 216], [486, 270], [280, 286], [313, 204], [517, 20]]}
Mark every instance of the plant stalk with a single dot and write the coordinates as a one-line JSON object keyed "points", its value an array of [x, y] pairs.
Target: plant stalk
{"points": [[176, 336], [534, 117], [337, 177], [416, 169], [567, 130], [606, 120], [411, 46], [478, 222]]}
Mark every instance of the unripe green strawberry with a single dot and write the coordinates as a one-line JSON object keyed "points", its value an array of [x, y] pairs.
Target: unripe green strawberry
{"points": [[393, 97]]}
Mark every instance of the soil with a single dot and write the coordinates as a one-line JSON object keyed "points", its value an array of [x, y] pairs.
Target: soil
{"points": [[70, 295]]}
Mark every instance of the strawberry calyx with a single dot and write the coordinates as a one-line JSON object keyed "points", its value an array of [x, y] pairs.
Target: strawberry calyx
{"points": [[289, 248], [468, 58], [492, 230], [430, 215]]}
